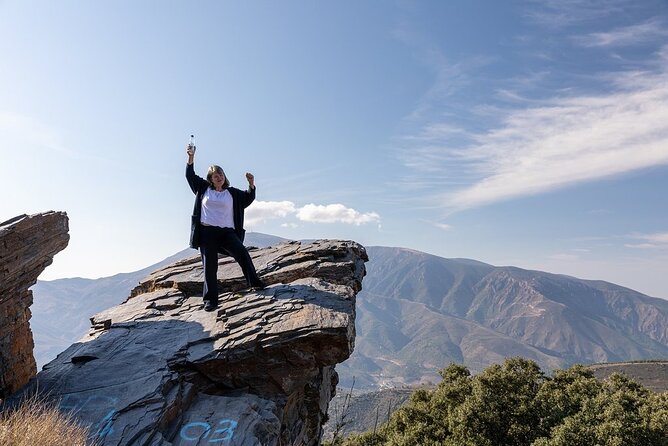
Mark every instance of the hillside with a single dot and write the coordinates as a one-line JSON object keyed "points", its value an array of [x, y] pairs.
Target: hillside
{"points": [[651, 374], [417, 313], [361, 412]]}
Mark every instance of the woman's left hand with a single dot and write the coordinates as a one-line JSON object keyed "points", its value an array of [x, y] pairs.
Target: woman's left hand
{"points": [[251, 179]]}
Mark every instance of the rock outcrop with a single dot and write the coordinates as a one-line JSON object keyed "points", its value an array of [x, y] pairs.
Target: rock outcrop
{"points": [[159, 370], [27, 246]]}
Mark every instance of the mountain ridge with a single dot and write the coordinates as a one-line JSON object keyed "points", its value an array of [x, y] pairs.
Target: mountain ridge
{"points": [[417, 312], [476, 314]]}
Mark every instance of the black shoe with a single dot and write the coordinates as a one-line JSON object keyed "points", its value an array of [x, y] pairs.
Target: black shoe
{"points": [[257, 286], [209, 305]]}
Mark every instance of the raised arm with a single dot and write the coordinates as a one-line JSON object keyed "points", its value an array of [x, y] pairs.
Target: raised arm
{"points": [[251, 180], [195, 182], [249, 195]]}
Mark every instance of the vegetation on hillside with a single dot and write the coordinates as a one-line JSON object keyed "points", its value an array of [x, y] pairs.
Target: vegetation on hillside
{"points": [[37, 423], [515, 403]]}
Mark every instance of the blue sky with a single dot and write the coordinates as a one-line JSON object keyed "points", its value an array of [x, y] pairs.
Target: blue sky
{"points": [[525, 133]]}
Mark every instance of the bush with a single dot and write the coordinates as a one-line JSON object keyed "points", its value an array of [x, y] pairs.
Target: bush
{"points": [[516, 404], [38, 423]]}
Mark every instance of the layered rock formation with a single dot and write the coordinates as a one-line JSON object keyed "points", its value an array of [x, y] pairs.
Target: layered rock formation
{"points": [[27, 246], [158, 370]]}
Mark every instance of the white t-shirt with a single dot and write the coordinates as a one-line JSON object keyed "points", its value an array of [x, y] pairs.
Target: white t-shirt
{"points": [[217, 209]]}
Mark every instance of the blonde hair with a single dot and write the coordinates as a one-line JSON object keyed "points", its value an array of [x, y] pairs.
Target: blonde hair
{"points": [[217, 169]]}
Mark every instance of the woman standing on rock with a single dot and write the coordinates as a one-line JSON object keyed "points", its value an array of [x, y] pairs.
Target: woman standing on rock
{"points": [[218, 225]]}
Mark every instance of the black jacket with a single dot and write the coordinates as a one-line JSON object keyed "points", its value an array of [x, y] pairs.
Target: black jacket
{"points": [[241, 199]]}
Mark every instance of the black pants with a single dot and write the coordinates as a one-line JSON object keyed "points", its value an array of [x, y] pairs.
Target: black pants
{"points": [[216, 240]]}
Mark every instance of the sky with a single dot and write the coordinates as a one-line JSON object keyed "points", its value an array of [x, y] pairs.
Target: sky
{"points": [[526, 133]]}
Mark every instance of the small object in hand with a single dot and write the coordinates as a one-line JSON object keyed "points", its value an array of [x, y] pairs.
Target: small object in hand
{"points": [[191, 143]]}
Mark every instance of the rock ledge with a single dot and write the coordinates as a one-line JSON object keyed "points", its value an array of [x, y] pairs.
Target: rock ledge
{"points": [[158, 370]]}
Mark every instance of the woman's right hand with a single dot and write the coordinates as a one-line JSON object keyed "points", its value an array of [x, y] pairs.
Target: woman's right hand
{"points": [[190, 150]]}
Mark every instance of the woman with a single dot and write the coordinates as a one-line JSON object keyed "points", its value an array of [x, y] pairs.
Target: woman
{"points": [[218, 225]]}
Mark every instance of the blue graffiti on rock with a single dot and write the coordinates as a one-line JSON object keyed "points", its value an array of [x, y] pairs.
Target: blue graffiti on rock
{"points": [[106, 404], [198, 430]]}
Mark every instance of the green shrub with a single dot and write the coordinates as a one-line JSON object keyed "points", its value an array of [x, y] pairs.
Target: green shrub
{"points": [[516, 404]]}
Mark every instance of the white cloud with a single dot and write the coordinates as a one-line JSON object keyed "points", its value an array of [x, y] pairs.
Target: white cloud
{"points": [[436, 132], [261, 211], [625, 36], [563, 13], [562, 142], [641, 246], [658, 240], [564, 257], [659, 237], [443, 226], [335, 213]]}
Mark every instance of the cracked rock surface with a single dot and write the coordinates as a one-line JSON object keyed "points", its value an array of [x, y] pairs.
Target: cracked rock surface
{"points": [[159, 370]]}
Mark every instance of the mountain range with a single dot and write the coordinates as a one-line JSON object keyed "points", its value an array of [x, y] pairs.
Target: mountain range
{"points": [[417, 313]]}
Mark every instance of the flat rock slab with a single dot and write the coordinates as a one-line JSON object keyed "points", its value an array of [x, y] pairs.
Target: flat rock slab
{"points": [[159, 370]]}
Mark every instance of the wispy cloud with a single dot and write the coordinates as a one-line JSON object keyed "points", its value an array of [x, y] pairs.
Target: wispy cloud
{"points": [[570, 255], [641, 245], [564, 257], [37, 137], [436, 132], [658, 240], [558, 143], [659, 237], [440, 225], [625, 36], [262, 211], [24, 130], [563, 13], [443, 226], [450, 77]]}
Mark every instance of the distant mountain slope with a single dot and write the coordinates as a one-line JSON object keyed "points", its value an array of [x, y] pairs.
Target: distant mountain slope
{"points": [[417, 313], [361, 412], [651, 374], [62, 307]]}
